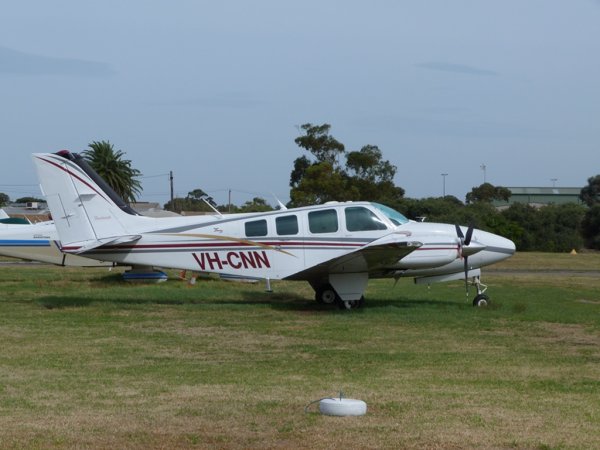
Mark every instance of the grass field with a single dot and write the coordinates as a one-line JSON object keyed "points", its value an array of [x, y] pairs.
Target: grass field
{"points": [[87, 361]]}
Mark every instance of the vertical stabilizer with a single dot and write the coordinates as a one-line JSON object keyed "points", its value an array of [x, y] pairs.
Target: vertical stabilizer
{"points": [[85, 214]]}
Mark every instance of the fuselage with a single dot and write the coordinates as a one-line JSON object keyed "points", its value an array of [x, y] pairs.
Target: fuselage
{"points": [[279, 244]]}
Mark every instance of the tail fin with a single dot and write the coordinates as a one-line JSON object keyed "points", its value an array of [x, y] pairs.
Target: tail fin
{"points": [[86, 211]]}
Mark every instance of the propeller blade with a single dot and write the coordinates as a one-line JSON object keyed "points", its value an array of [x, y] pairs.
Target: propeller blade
{"points": [[464, 242], [469, 234], [459, 232]]}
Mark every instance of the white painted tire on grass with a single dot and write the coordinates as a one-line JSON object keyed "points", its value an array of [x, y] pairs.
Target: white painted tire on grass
{"points": [[342, 407]]}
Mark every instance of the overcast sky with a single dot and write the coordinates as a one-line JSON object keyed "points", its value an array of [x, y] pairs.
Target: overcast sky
{"points": [[215, 90]]}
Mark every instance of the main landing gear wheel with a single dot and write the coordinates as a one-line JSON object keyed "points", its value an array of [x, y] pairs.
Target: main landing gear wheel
{"points": [[481, 300], [326, 295], [350, 304]]}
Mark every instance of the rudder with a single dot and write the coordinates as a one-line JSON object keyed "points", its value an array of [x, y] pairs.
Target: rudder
{"points": [[84, 213]]}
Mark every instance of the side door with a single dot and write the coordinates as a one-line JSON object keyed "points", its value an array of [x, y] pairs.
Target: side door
{"points": [[288, 240], [324, 236]]}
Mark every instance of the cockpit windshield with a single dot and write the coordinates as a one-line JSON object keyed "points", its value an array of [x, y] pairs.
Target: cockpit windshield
{"points": [[392, 214]]}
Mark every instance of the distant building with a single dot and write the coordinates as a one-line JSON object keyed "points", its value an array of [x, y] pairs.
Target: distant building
{"points": [[151, 209], [541, 196]]}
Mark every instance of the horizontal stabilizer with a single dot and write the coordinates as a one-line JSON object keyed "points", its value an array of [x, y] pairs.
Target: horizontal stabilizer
{"points": [[86, 246]]}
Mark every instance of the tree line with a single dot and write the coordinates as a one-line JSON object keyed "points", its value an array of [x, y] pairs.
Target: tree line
{"points": [[331, 173]]}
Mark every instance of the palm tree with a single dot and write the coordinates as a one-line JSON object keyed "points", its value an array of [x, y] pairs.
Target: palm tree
{"points": [[115, 170]]}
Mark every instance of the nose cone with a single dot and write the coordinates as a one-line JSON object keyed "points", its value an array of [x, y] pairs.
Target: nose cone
{"points": [[497, 248]]}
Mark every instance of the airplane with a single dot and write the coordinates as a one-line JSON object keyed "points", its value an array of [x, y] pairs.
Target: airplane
{"points": [[336, 247], [5, 219]]}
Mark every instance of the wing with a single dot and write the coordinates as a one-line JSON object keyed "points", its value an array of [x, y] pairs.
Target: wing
{"points": [[374, 258]]}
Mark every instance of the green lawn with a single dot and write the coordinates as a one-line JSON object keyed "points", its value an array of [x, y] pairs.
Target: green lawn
{"points": [[89, 361]]}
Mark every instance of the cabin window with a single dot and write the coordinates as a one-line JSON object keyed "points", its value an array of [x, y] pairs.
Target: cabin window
{"points": [[286, 225], [323, 221], [256, 228], [359, 218]]}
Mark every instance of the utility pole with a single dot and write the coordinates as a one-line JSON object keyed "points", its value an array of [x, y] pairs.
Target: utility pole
{"points": [[229, 200], [171, 184], [444, 175]]}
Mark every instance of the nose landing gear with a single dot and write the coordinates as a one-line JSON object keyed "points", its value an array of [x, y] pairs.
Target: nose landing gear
{"points": [[481, 299]]}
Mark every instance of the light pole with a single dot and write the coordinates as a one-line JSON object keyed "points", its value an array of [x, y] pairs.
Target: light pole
{"points": [[444, 175], [554, 180], [483, 167]]}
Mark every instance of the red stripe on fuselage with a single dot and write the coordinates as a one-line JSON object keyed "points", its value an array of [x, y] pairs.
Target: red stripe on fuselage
{"points": [[225, 245]]}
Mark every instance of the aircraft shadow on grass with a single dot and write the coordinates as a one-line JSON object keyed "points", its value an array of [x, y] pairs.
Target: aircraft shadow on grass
{"points": [[278, 301]]}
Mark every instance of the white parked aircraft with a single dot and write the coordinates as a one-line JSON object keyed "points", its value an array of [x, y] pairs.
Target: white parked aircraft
{"points": [[336, 247], [39, 242]]}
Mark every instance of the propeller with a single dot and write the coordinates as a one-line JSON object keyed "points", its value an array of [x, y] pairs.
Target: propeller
{"points": [[464, 242]]}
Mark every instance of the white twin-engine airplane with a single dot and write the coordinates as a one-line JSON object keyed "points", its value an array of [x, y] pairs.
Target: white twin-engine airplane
{"points": [[336, 247]]}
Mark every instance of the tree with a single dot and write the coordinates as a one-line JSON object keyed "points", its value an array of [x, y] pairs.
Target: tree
{"points": [[552, 228], [446, 209], [4, 199], [527, 225], [29, 199], [590, 194], [318, 141], [364, 176], [562, 227], [590, 227], [300, 166], [200, 195], [367, 164], [488, 193], [320, 184], [372, 176], [194, 201], [115, 170], [257, 204]]}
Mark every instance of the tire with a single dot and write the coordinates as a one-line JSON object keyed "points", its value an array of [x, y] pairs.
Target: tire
{"points": [[326, 295], [350, 304], [481, 301], [342, 407]]}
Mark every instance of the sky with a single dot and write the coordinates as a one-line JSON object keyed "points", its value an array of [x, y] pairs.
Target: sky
{"points": [[502, 91]]}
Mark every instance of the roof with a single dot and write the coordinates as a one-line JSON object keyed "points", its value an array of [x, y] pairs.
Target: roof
{"points": [[41, 213], [540, 196], [545, 190]]}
